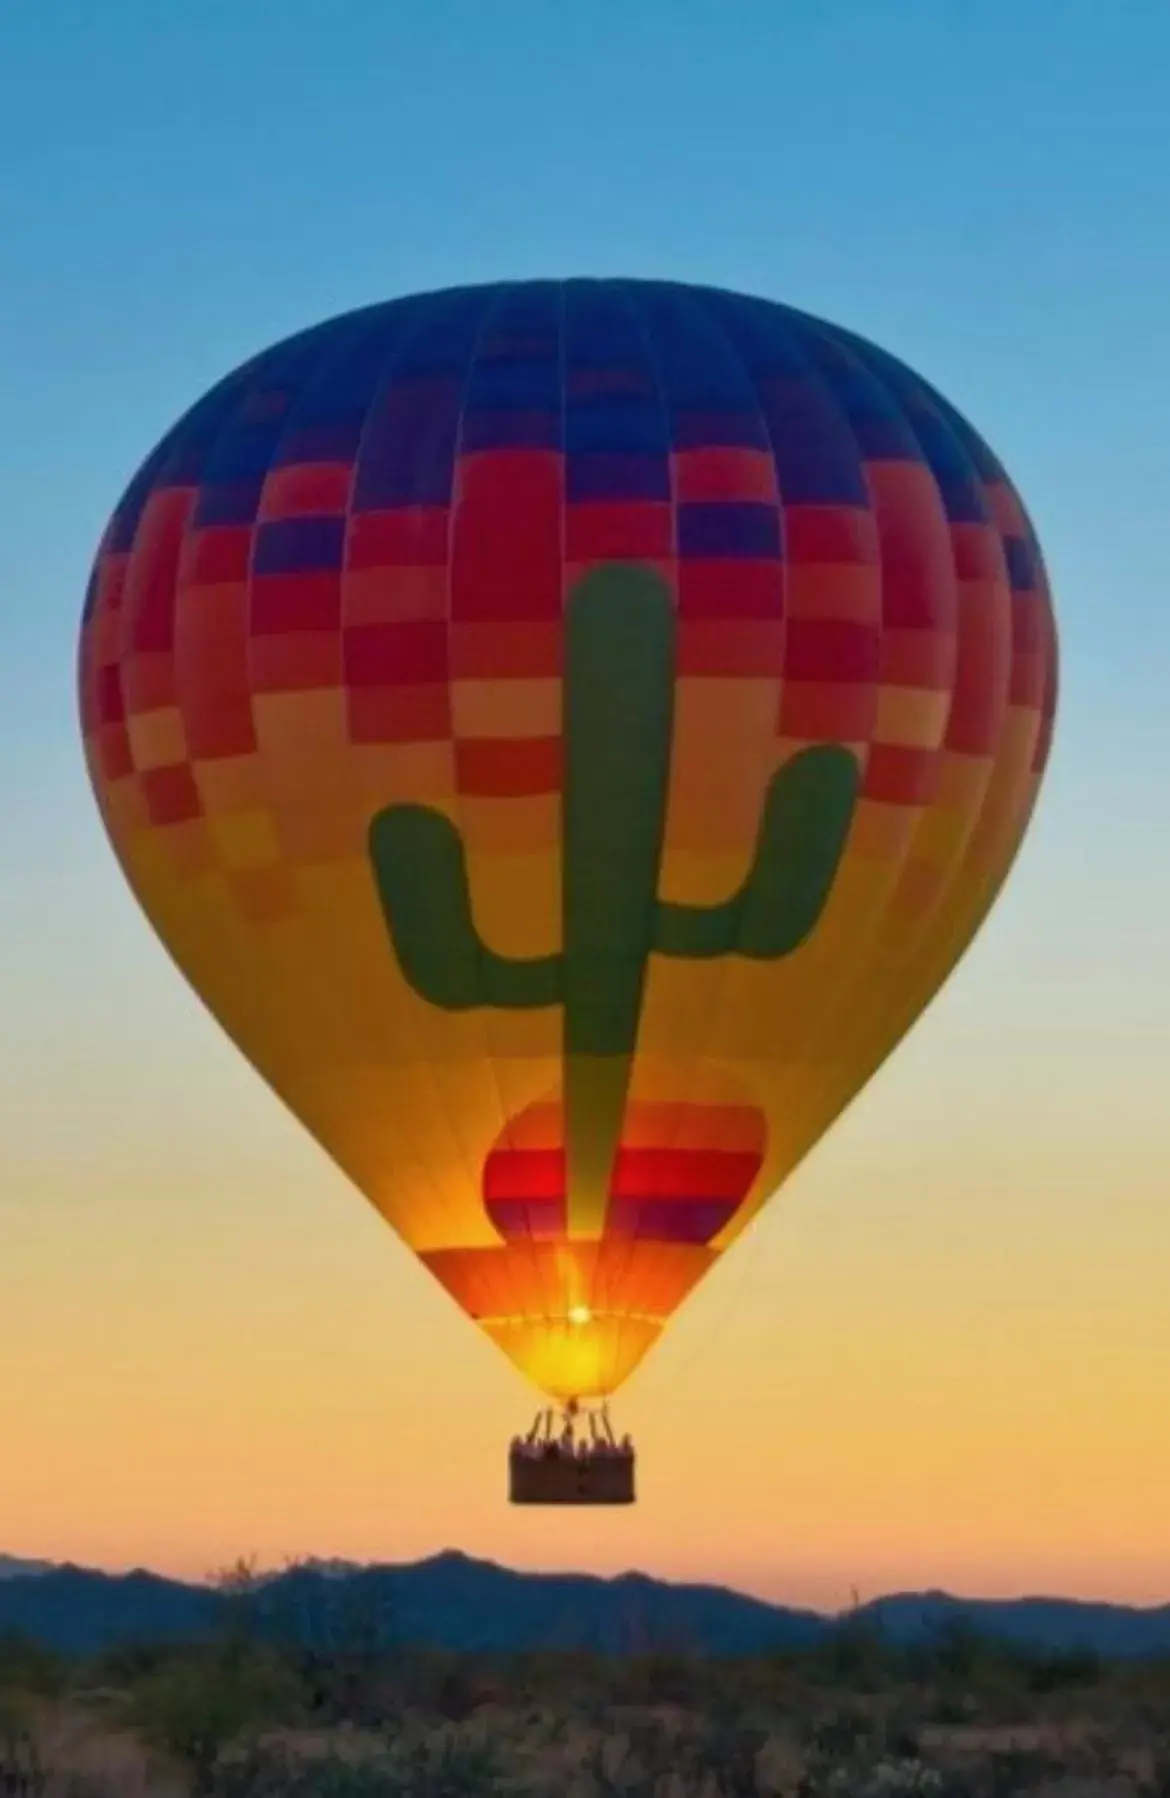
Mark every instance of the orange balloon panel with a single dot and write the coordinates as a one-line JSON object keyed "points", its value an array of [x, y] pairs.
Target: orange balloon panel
{"points": [[566, 732]]}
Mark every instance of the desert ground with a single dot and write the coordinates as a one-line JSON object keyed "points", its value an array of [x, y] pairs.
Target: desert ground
{"points": [[240, 1717]]}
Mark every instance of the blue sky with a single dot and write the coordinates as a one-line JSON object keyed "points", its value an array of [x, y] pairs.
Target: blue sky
{"points": [[983, 188], [980, 188]]}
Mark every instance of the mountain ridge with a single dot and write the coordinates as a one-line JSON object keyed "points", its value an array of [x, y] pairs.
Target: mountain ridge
{"points": [[454, 1601], [12, 1567]]}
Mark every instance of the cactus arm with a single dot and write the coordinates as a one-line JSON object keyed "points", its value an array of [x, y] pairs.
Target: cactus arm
{"points": [[618, 708], [807, 814], [420, 870], [807, 818]]}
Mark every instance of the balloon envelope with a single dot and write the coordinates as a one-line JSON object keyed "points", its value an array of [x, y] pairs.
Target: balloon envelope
{"points": [[566, 732]]}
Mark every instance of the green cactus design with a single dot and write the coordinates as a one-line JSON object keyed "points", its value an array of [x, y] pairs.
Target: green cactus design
{"points": [[617, 725]]}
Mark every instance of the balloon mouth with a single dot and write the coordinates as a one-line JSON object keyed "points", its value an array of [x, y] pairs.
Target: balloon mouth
{"points": [[575, 1359], [577, 1314]]}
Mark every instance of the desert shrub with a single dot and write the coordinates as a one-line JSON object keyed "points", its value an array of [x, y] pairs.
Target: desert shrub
{"points": [[949, 1706], [341, 1688], [451, 1767], [267, 1773], [22, 1772], [338, 1638], [304, 1608], [126, 1663], [842, 1734], [194, 1707], [450, 1687], [662, 1677], [92, 1785], [1075, 1667], [726, 1753], [635, 1763], [1020, 1769], [591, 1683], [854, 1656], [274, 1773], [768, 1682], [893, 1779], [28, 1666], [1159, 1781]]}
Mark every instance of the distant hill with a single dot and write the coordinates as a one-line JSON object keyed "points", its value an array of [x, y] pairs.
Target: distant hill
{"points": [[11, 1568], [454, 1602], [449, 1601], [80, 1611], [1052, 1624]]}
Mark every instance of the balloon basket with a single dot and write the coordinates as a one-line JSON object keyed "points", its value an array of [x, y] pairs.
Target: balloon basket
{"points": [[581, 1464]]}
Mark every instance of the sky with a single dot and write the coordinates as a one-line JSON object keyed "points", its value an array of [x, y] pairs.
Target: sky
{"points": [[941, 1357]]}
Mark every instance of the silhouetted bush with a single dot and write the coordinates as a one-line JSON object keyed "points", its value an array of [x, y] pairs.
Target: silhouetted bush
{"points": [[28, 1666], [454, 1767], [854, 1655], [23, 1774], [194, 1707], [1058, 1672]]}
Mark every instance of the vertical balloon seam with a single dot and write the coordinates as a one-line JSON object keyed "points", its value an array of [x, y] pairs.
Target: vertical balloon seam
{"points": [[623, 1284], [650, 304], [537, 1255], [887, 929], [908, 953], [495, 301], [233, 949], [879, 1027], [613, 1328], [276, 369], [595, 1252], [607, 1300], [993, 472], [705, 1060], [620, 1284], [941, 961], [886, 926], [649, 321], [332, 1004], [489, 300], [134, 498], [726, 316], [952, 881], [562, 532], [991, 810], [741, 1222], [389, 358], [722, 324], [158, 483], [815, 341]]}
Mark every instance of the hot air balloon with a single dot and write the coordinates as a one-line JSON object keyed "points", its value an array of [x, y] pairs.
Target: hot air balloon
{"points": [[566, 731]]}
